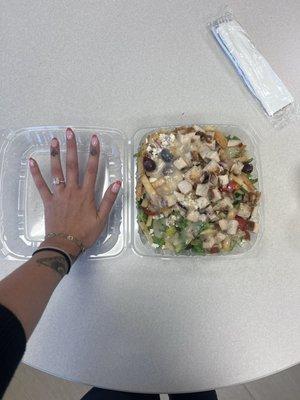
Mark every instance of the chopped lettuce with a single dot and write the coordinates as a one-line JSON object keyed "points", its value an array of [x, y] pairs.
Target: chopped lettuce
{"points": [[159, 241], [197, 246], [182, 223], [142, 216]]}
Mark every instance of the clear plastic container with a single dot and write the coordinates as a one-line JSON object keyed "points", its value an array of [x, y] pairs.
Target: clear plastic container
{"points": [[140, 244], [22, 214], [21, 209]]}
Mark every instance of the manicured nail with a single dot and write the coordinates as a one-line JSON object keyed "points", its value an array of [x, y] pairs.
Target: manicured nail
{"points": [[69, 133], [54, 142], [31, 162], [116, 186], [94, 140]]}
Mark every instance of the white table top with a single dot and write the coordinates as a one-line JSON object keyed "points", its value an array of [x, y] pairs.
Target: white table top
{"points": [[126, 323]]}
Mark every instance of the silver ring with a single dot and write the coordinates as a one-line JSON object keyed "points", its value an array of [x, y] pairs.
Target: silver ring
{"points": [[57, 181]]}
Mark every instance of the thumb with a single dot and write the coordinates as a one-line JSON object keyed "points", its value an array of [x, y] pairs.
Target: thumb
{"points": [[108, 200]]}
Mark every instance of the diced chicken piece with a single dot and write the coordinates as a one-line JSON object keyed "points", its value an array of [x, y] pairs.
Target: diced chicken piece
{"points": [[209, 209], [193, 216], [233, 142], [254, 215], [212, 217], [220, 237], [186, 138], [237, 168], [209, 243], [202, 189], [179, 196], [188, 157], [213, 166], [192, 204], [223, 224], [193, 175], [213, 155], [203, 218], [228, 203], [202, 202], [224, 204], [204, 150], [224, 180], [180, 163], [216, 195], [232, 227], [244, 211], [185, 187], [171, 200]]}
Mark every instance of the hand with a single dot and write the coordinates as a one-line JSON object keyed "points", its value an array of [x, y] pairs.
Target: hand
{"points": [[71, 208]]}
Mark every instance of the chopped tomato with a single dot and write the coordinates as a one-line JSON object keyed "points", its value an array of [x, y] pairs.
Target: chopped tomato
{"points": [[243, 224], [231, 187]]}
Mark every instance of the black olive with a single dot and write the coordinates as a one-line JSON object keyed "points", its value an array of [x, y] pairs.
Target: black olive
{"points": [[149, 164], [166, 155], [248, 168], [168, 169]]}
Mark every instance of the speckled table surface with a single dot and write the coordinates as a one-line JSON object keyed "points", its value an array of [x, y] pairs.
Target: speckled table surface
{"points": [[128, 323]]}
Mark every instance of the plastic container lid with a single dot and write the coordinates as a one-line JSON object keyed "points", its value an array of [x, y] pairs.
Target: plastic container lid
{"points": [[21, 208]]}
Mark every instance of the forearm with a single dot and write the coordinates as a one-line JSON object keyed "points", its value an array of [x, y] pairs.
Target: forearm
{"points": [[28, 289]]}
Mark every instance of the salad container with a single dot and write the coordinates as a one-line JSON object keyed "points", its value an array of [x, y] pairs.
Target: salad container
{"points": [[21, 209], [140, 244]]}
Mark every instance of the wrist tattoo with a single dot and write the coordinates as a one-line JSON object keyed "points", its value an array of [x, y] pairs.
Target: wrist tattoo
{"points": [[57, 263]]}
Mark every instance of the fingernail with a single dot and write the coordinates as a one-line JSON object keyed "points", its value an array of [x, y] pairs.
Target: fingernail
{"points": [[94, 140], [69, 133], [54, 142], [31, 162], [116, 186]]}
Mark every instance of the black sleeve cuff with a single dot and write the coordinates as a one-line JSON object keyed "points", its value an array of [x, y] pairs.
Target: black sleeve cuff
{"points": [[12, 346]]}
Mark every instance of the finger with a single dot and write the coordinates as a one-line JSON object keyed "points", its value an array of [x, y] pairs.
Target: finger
{"points": [[72, 159], [92, 164], [39, 181], [108, 200], [56, 169]]}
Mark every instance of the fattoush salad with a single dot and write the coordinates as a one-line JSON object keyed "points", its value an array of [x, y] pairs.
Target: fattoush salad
{"points": [[196, 191]]}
